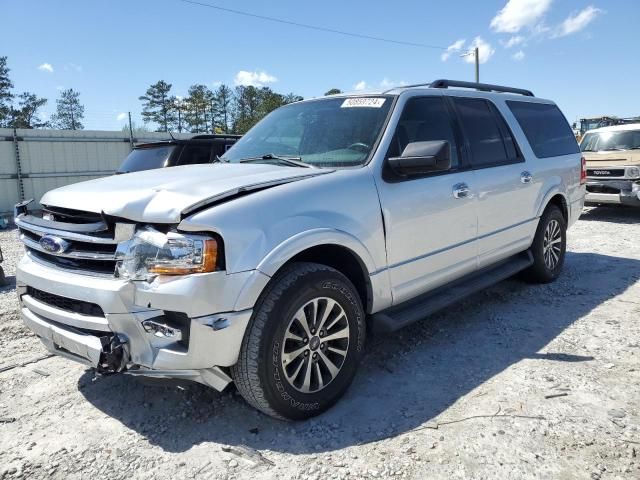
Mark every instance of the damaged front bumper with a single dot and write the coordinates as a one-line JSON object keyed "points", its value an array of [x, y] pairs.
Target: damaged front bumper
{"points": [[157, 329], [621, 192]]}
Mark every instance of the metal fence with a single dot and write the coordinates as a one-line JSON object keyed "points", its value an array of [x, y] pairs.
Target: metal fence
{"points": [[35, 161]]}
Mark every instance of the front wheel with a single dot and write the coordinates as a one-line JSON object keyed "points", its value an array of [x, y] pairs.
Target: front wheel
{"points": [[549, 247], [303, 344]]}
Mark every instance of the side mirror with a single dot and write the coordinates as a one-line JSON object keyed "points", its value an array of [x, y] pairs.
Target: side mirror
{"points": [[419, 158]]}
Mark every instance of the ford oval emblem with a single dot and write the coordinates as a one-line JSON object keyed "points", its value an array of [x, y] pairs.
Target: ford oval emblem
{"points": [[52, 244]]}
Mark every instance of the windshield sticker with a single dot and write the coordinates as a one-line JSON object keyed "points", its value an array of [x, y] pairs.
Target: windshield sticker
{"points": [[368, 102]]}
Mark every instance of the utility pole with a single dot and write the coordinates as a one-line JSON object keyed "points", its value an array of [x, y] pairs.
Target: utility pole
{"points": [[477, 57], [130, 132]]}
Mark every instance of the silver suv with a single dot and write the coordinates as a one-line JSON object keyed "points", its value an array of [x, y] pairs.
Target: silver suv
{"points": [[330, 218]]}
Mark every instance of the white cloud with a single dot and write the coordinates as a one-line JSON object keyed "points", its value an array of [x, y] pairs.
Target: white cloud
{"points": [[517, 14], [46, 67], [216, 83], [514, 41], [518, 56], [485, 51], [121, 117], [578, 21], [454, 47], [73, 66], [361, 85], [59, 88], [254, 79], [386, 84]]}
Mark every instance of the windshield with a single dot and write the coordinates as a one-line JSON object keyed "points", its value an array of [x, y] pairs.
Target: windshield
{"points": [[146, 159], [611, 141], [337, 132]]}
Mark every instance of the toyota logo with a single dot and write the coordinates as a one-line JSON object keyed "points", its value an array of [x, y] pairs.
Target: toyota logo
{"points": [[52, 244]]}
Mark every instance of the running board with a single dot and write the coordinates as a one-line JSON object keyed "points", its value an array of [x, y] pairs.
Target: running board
{"points": [[418, 308]]}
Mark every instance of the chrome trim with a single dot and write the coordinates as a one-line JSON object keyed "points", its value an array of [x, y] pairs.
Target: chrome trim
{"points": [[62, 234], [55, 266], [73, 254], [65, 317]]}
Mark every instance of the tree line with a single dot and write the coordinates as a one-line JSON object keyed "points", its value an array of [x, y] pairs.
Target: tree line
{"points": [[223, 110], [23, 110], [202, 110]]}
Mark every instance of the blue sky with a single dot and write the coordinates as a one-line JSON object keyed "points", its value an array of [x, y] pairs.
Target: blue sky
{"points": [[580, 53]]}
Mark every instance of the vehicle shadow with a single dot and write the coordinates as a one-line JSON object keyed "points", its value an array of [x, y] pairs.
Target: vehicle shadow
{"points": [[406, 379], [612, 213]]}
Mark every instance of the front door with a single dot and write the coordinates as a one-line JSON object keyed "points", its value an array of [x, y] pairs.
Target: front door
{"points": [[431, 220]]}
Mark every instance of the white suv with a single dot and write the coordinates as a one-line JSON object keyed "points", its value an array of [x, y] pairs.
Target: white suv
{"points": [[329, 218]]}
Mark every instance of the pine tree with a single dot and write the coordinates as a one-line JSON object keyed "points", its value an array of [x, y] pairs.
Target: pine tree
{"points": [[223, 100], [5, 93], [70, 112], [159, 106], [198, 111], [26, 115]]}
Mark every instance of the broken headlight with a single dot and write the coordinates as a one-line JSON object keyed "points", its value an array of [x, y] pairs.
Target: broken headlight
{"points": [[150, 253]]}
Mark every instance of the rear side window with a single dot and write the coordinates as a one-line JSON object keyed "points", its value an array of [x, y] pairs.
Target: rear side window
{"points": [[545, 127], [194, 153], [489, 137]]}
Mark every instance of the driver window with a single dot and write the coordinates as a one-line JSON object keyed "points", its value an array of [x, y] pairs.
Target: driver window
{"points": [[424, 119]]}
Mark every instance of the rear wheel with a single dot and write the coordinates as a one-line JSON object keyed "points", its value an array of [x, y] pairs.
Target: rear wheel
{"points": [[303, 345], [549, 247]]}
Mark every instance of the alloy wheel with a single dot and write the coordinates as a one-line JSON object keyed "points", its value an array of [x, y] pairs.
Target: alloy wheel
{"points": [[315, 345], [551, 245]]}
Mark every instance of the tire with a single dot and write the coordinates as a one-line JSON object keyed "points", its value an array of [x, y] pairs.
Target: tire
{"points": [[547, 266], [271, 373]]}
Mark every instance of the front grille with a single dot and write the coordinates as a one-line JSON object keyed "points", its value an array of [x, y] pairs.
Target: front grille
{"points": [[86, 242], [64, 303], [605, 172]]}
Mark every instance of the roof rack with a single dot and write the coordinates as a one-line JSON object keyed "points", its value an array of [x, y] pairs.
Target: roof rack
{"points": [[485, 87], [211, 136]]}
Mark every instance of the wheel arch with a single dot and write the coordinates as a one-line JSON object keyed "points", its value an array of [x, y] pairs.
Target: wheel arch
{"points": [[555, 197], [332, 248]]}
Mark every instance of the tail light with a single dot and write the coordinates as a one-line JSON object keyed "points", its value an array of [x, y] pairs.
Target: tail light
{"points": [[583, 171]]}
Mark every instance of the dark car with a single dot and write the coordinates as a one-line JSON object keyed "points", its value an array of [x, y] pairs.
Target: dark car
{"points": [[171, 153]]}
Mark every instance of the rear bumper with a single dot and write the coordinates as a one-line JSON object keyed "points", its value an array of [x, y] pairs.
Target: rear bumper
{"points": [[195, 349], [620, 192]]}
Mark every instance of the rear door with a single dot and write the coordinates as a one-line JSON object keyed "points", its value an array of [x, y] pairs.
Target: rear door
{"points": [[506, 186], [430, 230]]}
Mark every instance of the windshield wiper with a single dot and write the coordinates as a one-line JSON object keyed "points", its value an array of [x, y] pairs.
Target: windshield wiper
{"points": [[293, 161], [219, 159]]}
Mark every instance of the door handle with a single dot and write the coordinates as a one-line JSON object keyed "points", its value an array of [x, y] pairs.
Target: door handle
{"points": [[461, 190], [526, 177]]}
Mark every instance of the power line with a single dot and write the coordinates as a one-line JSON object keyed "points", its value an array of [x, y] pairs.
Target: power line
{"points": [[312, 27]]}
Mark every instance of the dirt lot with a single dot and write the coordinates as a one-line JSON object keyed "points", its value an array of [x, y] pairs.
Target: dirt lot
{"points": [[519, 381]]}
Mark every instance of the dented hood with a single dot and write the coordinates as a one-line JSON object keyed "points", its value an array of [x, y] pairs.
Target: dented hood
{"points": [[165, 195]]}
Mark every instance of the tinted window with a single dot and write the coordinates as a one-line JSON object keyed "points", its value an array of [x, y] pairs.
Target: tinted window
{"points": [[146, 159], [195, 154], [546, 129], [483, 126], [424, 119]]}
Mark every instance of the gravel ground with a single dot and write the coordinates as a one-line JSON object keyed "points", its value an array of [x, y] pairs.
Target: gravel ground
{"points": [[518, 381]]}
